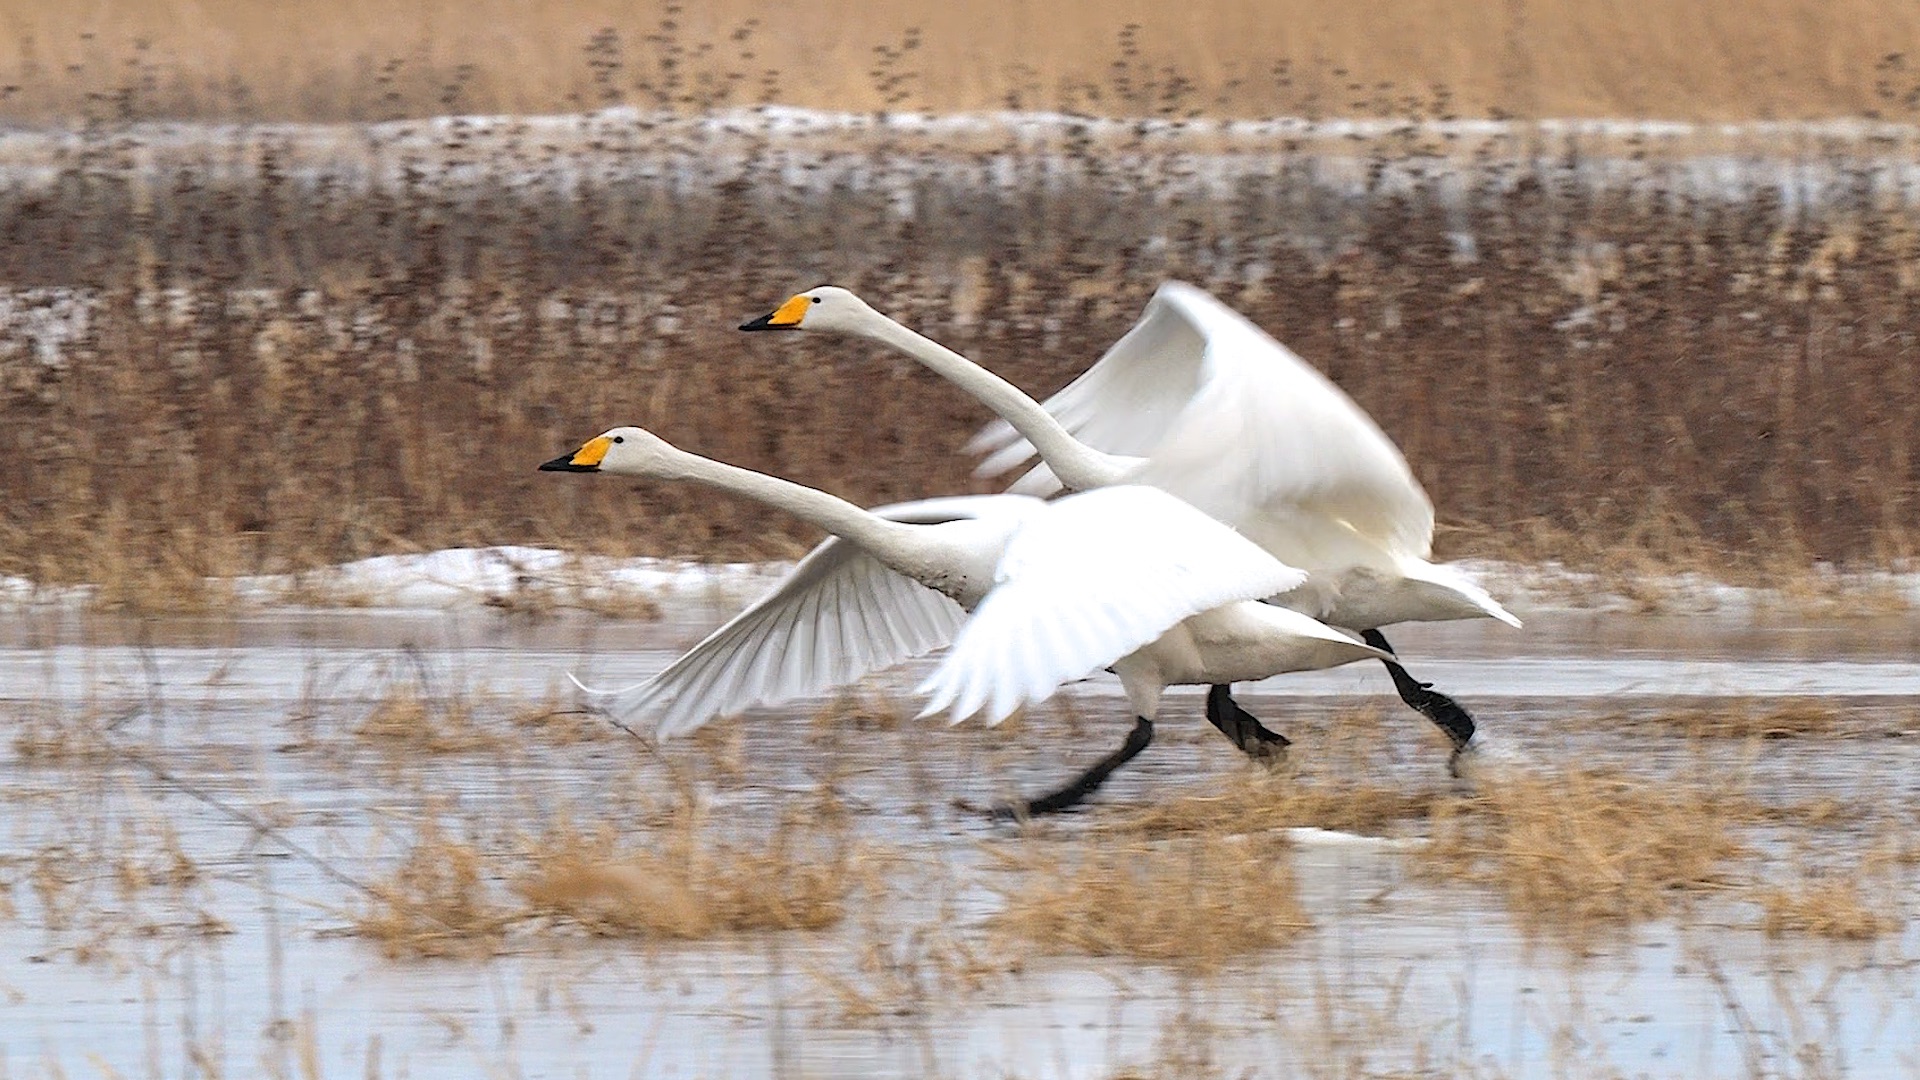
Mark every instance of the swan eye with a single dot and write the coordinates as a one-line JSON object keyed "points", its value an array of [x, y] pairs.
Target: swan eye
{"points": [[619, 438], [815, 299]]}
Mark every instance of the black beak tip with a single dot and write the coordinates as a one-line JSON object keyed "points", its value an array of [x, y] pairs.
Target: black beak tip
{"points": [[764, 322], [564, 463]]}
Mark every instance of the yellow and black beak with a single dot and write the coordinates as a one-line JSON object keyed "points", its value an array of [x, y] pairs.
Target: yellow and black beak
{"points": [[785, 317], [585, 459]]}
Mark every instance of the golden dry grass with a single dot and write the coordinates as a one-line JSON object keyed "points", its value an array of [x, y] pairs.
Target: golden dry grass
{"points": [[408, 721], [1194, 902], [1845, 909], [671, 874], [437, 902], [689, 885], [48, 734], [1580, 849], [1761, 718], [307, 58], [1255, 803], [1335, 785]]}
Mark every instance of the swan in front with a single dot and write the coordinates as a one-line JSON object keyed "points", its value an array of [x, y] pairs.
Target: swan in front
{"points": [[1198, 401], [1126, 577]]}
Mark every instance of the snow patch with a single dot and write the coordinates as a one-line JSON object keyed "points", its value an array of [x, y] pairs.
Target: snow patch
{"points": [[513, 577], [509, 577], [1823, 589], [496, 576], [1310, 836]]}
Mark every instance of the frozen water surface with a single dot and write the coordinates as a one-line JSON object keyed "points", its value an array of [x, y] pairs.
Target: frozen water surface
{"points": [[1400, 974]]}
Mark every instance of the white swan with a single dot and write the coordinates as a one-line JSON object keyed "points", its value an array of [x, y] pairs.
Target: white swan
{"points": [[1198, 401], [1127, 577]]}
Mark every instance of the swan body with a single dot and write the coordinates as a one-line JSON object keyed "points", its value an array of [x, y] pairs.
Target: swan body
{"points": [[997, 666], [1125, 576], [1198, 401]]}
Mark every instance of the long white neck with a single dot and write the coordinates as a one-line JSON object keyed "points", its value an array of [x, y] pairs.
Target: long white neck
{"points": [[1079, 467], [908, 549]]}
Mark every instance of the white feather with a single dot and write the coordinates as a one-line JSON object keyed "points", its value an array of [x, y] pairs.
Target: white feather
{"points": [[839, 616], [1094, 578], [1235, 423]]}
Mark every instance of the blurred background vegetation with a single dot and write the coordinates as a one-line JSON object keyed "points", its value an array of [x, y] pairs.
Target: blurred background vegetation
{"points": [[262, 344], [376, 59]]}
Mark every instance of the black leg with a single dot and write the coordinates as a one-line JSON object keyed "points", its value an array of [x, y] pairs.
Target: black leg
{"points": [[1241, 726], [1088, 782], [1445, 712]]}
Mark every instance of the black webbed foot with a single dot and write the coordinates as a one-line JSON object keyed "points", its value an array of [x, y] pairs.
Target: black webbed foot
{"points": [[1073, 794], [1447, 714], [1241, 726]]}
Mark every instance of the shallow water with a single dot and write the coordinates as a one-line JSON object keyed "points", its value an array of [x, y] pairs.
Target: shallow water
{"points": [[1400, 973]]}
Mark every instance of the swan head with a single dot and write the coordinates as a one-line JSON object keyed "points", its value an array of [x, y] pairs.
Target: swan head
{"points": [[628, 450], [825, 307]]}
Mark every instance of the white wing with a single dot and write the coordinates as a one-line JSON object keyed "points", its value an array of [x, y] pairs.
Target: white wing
{"points": [[839, 616], [1233, 422], [1089, 580]]}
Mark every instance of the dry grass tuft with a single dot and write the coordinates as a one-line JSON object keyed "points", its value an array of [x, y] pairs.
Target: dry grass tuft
{"points": [[48, 735], [690, 885], [1193, 902], [1830, 908], [1583, 848], [861, 709], [1257, 802], [578, 585], [165, 586], [555, 724], [436, 903], [1324, 782], [1820, 591], [407, 720], [152, 861], [1755, 718]]}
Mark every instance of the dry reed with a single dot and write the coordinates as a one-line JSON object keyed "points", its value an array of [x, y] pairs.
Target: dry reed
{"points": [[1336, 784], [1832, 908], [1737, 718], [265, 350], [690, 886], [1581, 849], [436, 902], [1196, 902], [406, 721], [360, 60]]}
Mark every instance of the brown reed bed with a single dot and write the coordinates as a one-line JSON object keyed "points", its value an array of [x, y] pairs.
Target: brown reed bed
{"points": [[246, 352], [354, 59]]}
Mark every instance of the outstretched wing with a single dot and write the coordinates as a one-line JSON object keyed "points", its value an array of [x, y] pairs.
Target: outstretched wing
{"points": [[839, 616], [1234, 422], [1089, 580]]}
